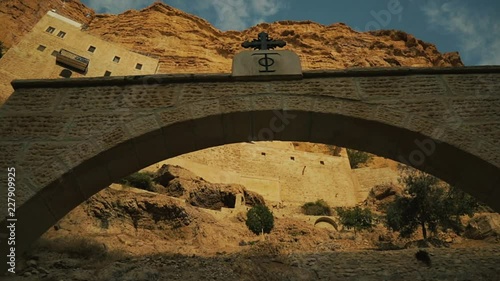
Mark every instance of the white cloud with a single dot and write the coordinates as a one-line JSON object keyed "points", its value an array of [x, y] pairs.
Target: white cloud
{"points": [[226, 14], [239, 14], [266, 7], [477, 32]]}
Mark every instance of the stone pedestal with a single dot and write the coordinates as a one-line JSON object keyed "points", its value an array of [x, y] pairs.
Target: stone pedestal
{"points": [[266, 63]]}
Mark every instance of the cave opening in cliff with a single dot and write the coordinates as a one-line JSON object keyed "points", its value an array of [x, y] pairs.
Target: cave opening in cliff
{"points": [[229, 200]]}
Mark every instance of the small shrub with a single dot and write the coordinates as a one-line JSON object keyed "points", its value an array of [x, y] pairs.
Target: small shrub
{"points": [[356, 158], [423, 256], [318, 208], [139, 180], [260, 219], [356, 218]]}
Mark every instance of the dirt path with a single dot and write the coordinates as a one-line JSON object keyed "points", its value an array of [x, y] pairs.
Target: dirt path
{"points": [[447, 264]]}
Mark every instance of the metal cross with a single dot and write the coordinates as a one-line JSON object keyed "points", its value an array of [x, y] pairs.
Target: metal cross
{"points": [[263, 42]]}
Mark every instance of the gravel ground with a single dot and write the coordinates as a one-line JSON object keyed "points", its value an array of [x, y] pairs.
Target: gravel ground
{"points": [[446, 264]]}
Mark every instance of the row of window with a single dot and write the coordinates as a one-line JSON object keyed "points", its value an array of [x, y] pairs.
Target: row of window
{"points": [[51, 30], [91, 49], [42, 48], [116, 59], [293, 158]]}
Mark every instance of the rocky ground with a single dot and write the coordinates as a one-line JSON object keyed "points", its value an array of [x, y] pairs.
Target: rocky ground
{"points": [[474, 262], [124, 233]]}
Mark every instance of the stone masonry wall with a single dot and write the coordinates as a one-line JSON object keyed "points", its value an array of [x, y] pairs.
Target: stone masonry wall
{"points": [[74, 123], [369, 177], [271, 171]]}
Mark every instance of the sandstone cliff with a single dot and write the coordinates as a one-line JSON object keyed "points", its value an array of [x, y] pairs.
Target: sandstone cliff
{"points": [[178, 182], [186, 43], [17, 17]]}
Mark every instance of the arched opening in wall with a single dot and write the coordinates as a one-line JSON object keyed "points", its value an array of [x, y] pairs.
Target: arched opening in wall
{"points": [[229, 200], [326, 222], [66, 73]]}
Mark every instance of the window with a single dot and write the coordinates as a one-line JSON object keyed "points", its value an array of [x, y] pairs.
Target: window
{"points": [[138, 66], [116, 59], [91, 49], [292, 158], [263, 153], [54, 53], [322, 162], [61, 34], [66, 73], [107, 73], [50, 29], [41, 48]]}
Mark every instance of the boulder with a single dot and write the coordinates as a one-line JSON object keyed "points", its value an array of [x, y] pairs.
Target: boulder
{"points": [[381, 192], [484, 226], [147, 210], [169, 172], [178, 182], [382, 195]]}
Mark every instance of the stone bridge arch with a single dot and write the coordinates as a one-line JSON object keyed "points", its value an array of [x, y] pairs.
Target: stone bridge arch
{"points": [[68, 139]]}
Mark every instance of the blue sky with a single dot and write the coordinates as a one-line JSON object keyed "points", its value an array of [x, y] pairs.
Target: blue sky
{"points": [[470, 27]]}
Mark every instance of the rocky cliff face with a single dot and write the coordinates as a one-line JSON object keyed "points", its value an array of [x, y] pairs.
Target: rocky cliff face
{"points": [[178, 182], [17, 17], [186, 43]]}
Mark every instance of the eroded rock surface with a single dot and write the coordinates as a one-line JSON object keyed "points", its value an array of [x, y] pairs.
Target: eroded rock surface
{"points": [[178, 182], [188, 44], [484, 226]]}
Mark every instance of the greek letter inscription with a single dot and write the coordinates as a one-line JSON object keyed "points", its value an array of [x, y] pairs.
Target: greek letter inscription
{"points": [[266, 61]]}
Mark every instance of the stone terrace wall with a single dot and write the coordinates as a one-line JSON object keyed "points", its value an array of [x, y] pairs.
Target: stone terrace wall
{"points": [[268, 168]]}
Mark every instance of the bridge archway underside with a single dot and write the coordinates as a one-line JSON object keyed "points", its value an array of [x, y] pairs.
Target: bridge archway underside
{"points": [[68, 139]]}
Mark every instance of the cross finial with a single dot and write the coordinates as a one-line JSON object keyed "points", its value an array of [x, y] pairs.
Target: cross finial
{"points": [[263, 42]]}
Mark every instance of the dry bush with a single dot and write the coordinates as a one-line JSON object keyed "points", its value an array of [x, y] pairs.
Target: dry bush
{"points": [[77, 248], [318, 208]]}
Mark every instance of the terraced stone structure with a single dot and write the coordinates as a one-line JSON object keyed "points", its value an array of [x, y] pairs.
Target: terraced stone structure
{"points": [[68, 139]]}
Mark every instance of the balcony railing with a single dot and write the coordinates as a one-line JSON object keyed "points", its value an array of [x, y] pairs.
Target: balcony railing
{"points": [[72, 60]]}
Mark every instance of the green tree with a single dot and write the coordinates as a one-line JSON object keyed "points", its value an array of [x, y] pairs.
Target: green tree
{"points": [[356, 158], [260, 219], [356, 218], [458, 203], [427, 204], [318, 208]]}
